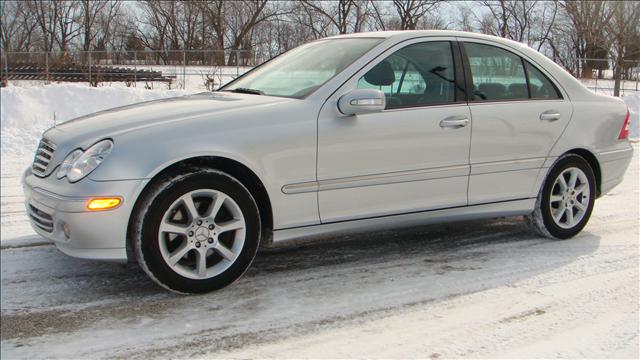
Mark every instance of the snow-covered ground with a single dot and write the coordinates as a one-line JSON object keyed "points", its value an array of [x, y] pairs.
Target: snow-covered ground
{"points": [[475, 289], [25, 112]]}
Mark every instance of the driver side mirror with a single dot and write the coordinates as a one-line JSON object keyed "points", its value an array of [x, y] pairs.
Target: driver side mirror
{"points": [[361, 101]]}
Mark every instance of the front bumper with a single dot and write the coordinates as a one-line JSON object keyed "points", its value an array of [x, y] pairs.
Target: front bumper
{"points": [[57, 211]]}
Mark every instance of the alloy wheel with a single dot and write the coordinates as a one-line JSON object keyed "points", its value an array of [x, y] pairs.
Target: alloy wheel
{"points": [[569, 200], [202, 234]]}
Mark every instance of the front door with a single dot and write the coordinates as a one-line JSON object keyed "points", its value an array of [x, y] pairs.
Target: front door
{"points": [[413, 156]]}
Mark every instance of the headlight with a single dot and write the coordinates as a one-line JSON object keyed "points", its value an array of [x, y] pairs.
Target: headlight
{"points": [[68, 162], [88, 160]]}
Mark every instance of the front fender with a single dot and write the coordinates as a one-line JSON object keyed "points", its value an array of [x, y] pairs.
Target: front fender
{"points": [[277, 144]]}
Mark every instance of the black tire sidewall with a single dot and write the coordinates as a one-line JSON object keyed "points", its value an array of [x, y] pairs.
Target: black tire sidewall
{"points": [[150, 246], [551, 226]]}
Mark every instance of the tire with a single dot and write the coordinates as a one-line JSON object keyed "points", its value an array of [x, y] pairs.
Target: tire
{"points": [[200, 245], [563, 209]]}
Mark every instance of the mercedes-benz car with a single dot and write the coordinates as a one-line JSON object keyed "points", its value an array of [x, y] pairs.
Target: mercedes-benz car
{"points": [[353, 133]]}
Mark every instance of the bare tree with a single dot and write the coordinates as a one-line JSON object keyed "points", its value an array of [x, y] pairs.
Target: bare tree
{"points": [[527, 21], [336, 17], [109, 21], [410, 12], [588, 21], [90, 11], [68, 16], [623, 30], [17, 26], [214, 24]]}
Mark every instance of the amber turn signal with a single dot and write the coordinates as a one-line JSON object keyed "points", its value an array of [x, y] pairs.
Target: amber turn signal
{"points": [[104, 203]]}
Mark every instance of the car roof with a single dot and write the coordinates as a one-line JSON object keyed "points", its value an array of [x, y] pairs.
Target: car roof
{"points": [[409, 34], [574, 89]]}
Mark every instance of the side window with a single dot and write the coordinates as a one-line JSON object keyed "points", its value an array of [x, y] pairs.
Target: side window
{"points": [[540, 85], [497, 74], [416, 75]]}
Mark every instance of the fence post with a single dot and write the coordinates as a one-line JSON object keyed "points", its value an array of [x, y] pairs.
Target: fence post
{"points": [[135, 69], [237, 64], [46, 67], [184, 69], [6, 68], [89, 68]]}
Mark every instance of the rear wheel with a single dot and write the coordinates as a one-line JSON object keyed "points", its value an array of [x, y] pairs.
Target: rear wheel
{"points": [[196, 231], [566, 200]]}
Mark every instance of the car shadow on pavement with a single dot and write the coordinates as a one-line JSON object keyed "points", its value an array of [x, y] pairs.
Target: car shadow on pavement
{"points": [[385, 269], [429, 242]]}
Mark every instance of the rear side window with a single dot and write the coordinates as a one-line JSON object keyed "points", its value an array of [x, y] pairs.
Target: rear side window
{"points": [[497, 74], [540, 85], [416, 75]]}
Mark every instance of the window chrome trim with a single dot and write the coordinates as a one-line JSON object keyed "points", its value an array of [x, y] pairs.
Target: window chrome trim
{"points": [[467, 70]]}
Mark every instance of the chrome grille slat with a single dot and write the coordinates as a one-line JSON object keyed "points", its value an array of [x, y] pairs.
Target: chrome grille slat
{"points": [[44, 155], [45, 151], [40, 218]]}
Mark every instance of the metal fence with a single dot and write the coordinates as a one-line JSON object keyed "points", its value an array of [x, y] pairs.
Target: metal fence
{"points": [[203, 69], [601, 75], [178, 69]]}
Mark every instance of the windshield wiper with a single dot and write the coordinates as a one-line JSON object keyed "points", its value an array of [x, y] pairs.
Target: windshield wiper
{"points": [[248, 91]]}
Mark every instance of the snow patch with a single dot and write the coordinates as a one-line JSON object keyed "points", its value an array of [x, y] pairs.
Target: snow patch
{"points": [[26, 112], [633, 103]]}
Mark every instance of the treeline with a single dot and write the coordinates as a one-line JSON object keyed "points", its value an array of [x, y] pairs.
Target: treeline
{"points": [[573, 33]]}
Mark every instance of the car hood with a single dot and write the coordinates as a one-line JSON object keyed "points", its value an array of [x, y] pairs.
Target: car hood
{"points": [[87, 129]]}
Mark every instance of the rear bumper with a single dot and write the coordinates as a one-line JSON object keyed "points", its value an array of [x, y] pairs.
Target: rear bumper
{"points": [[64, 219], [613, 165]]}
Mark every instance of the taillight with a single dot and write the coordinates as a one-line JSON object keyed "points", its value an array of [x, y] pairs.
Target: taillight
{"points": [[624, 132]]}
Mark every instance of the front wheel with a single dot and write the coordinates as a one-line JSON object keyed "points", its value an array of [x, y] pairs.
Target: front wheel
{"points": [[196, 231], [566, 200]]}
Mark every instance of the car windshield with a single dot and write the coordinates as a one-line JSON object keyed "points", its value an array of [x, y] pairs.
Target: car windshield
{"points": [[298, 72]]}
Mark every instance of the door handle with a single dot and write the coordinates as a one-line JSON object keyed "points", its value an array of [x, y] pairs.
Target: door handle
{"points": [[550, 115], [454, 123]]}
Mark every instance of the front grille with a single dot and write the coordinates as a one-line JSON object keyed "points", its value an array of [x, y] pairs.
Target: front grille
{"points": [[41, 219], [44, 154]]}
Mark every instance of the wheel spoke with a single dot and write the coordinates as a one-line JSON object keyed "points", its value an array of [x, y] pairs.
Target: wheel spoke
{"points": [[172, 228], [556, 198], [573, 177], [234, 224], [580, 206], [188, 203], [581, 188], [179, 253], [569, 213], [562, 182], [202, 263], [224, 251], [558, 215], [216, 205]]}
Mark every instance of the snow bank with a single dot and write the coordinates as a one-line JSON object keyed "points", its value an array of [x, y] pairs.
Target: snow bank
{"points": [[633, 102], [26, 112]]}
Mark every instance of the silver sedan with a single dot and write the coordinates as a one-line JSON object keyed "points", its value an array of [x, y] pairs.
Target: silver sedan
{"points": [[351, 133]]}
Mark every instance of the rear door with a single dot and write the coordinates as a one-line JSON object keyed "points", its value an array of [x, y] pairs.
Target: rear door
{"points": [[518, 114]]}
